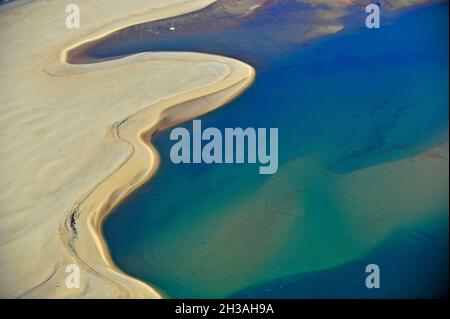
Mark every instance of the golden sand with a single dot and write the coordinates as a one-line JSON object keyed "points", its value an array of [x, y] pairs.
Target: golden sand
{"points": [[75, 137]]}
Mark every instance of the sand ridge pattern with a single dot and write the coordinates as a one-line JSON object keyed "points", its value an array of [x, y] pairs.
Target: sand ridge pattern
{"points": [[75, 137]]}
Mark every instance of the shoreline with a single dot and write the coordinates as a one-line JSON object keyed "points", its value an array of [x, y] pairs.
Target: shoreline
{"points": [[123, 117], [105, 31], [95, 218], [112, 188], [132, 110], [139, 137]]}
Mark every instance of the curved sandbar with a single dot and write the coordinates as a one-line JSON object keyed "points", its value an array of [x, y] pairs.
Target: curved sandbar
{"points": [[75, 137]]}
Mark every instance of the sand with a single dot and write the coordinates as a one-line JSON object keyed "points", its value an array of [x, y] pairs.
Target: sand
{"points": [[305, 218], [75, 137]]}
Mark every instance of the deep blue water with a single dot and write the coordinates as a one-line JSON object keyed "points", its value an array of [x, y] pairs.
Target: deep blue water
{"points": [[413, 264], [346, 102]]}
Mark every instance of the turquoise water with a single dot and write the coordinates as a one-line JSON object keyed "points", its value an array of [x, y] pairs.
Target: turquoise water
{"points": [[342, 104], [413, 264]]}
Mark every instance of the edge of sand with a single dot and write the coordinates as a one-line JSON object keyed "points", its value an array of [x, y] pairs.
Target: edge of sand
{"points": [[140, 166], [78, 236], [91, 212]]}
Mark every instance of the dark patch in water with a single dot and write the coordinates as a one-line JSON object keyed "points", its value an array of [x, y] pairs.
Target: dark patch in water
{"points": [[265, 32]]}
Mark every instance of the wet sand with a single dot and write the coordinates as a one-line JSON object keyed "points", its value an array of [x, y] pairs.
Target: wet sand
{"points": [[75, 138]]}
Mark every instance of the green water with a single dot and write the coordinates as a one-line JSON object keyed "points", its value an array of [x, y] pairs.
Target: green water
{"points": [[348, 108]]}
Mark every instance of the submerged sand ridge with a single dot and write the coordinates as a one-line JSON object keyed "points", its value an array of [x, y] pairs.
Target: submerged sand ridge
{"points": [[74, 138]]}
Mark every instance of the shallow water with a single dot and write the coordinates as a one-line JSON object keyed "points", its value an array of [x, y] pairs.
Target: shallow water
{"points": [[344, 103]]}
